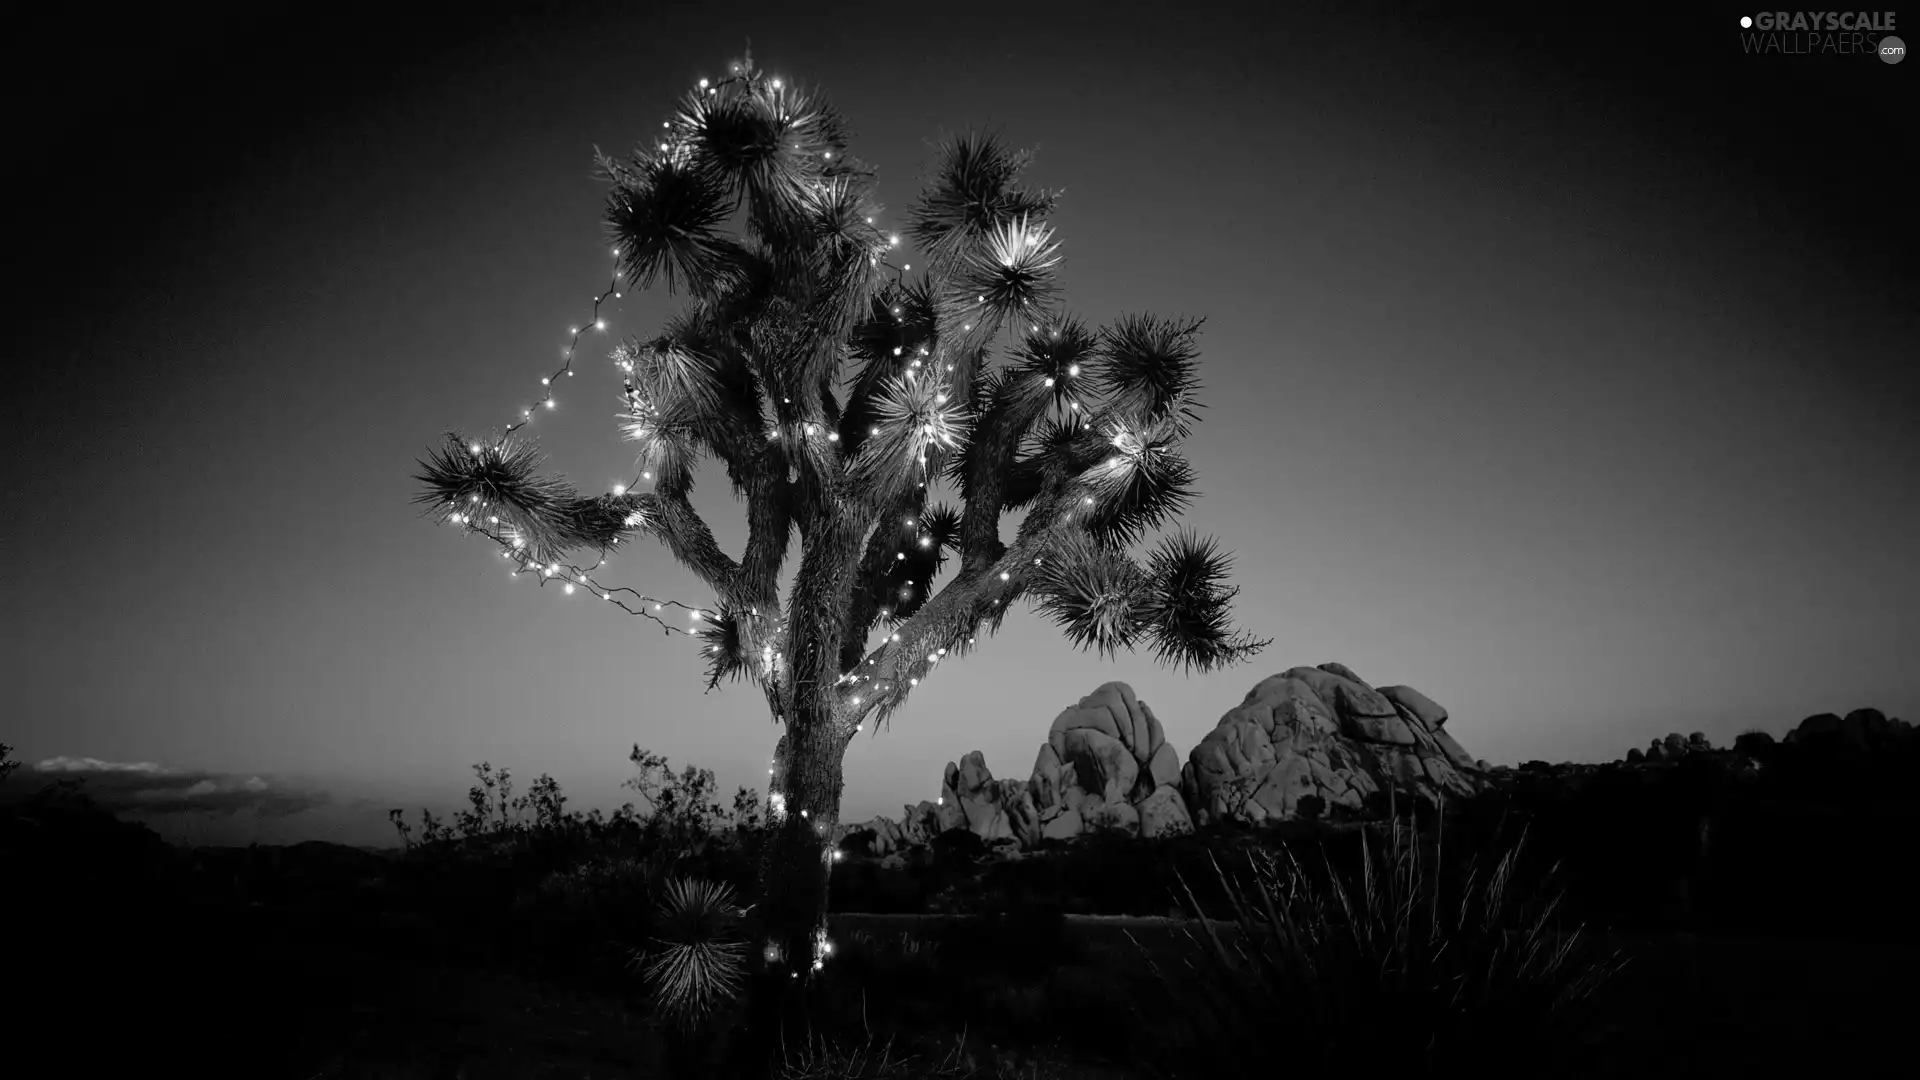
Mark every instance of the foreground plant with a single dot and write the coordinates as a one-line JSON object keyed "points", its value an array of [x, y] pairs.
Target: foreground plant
{"points": [[1401, 969], [698, 961], [841, 383]]}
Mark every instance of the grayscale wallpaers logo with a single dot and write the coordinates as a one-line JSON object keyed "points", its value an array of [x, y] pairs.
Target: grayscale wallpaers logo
{"points": [[1827, 33]]}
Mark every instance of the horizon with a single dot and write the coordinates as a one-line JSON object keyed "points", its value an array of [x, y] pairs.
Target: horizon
{"points": [[1560, 372]]}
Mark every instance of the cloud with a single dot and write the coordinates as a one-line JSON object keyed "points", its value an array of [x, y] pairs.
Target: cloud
{"points": [[142, 787]]}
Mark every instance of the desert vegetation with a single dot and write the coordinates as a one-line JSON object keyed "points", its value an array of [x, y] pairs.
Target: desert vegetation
{"points": [[525, 938]]}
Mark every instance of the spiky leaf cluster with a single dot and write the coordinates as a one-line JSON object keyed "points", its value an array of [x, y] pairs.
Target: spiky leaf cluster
{"points": [[698, 961], [724, 644], [499, 485], [973, 194]]}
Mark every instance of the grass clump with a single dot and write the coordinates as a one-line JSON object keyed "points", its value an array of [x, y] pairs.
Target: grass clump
{"points": [[1395, 966]]}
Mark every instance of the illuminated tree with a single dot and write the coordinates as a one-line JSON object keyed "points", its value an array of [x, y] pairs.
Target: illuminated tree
{"points": [[843, 391]]}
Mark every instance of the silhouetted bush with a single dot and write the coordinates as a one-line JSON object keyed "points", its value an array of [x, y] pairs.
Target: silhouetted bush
{"points": [[1399, 967]]}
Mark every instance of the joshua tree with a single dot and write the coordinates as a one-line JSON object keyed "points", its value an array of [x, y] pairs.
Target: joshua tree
{"points": [[842, 388]]}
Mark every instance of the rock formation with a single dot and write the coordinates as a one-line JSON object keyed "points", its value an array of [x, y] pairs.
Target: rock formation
{"points": [[1106, 765], [1313, 740], [993, 810], [1859, 730]]}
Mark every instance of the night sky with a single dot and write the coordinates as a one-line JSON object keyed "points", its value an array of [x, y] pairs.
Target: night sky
{"points": [[1564, 371]]}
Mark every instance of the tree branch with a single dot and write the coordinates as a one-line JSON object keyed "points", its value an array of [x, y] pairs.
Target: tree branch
{"points": [[672, 519], [947, 626]]}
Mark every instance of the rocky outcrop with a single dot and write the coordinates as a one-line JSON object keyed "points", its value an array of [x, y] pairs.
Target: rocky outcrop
{"points": [[1305, 742], [1673, 747], [993, 810], [1312, 741], [1106, 765], [1860, 730]]}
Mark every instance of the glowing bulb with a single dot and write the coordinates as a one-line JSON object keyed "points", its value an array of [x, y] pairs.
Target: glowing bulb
{"points": [[925, 541], [899, 554], [549, 403], [1049, 380], [896, 638], [599, 324], [893, 241], [837, 856], [1003, 575], [1073, 369], [833, 436], [703, 84], [619, 489], [913, 682], [546, 382], [568, 590], [476, 448], [856, 701]]}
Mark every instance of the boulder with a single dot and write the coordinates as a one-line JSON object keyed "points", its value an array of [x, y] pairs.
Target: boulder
{"points": [[1164, 813], [1312, 740], [1416, 703], [972, 799], [1816, 727], [1104, 761]]}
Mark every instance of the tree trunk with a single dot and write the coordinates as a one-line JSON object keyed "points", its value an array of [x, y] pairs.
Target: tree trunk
{"points": [[794, 870]]}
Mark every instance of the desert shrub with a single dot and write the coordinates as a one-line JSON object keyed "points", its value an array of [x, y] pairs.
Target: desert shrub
{"points": [[697, 960], [1400, 966], [524, 882]]}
